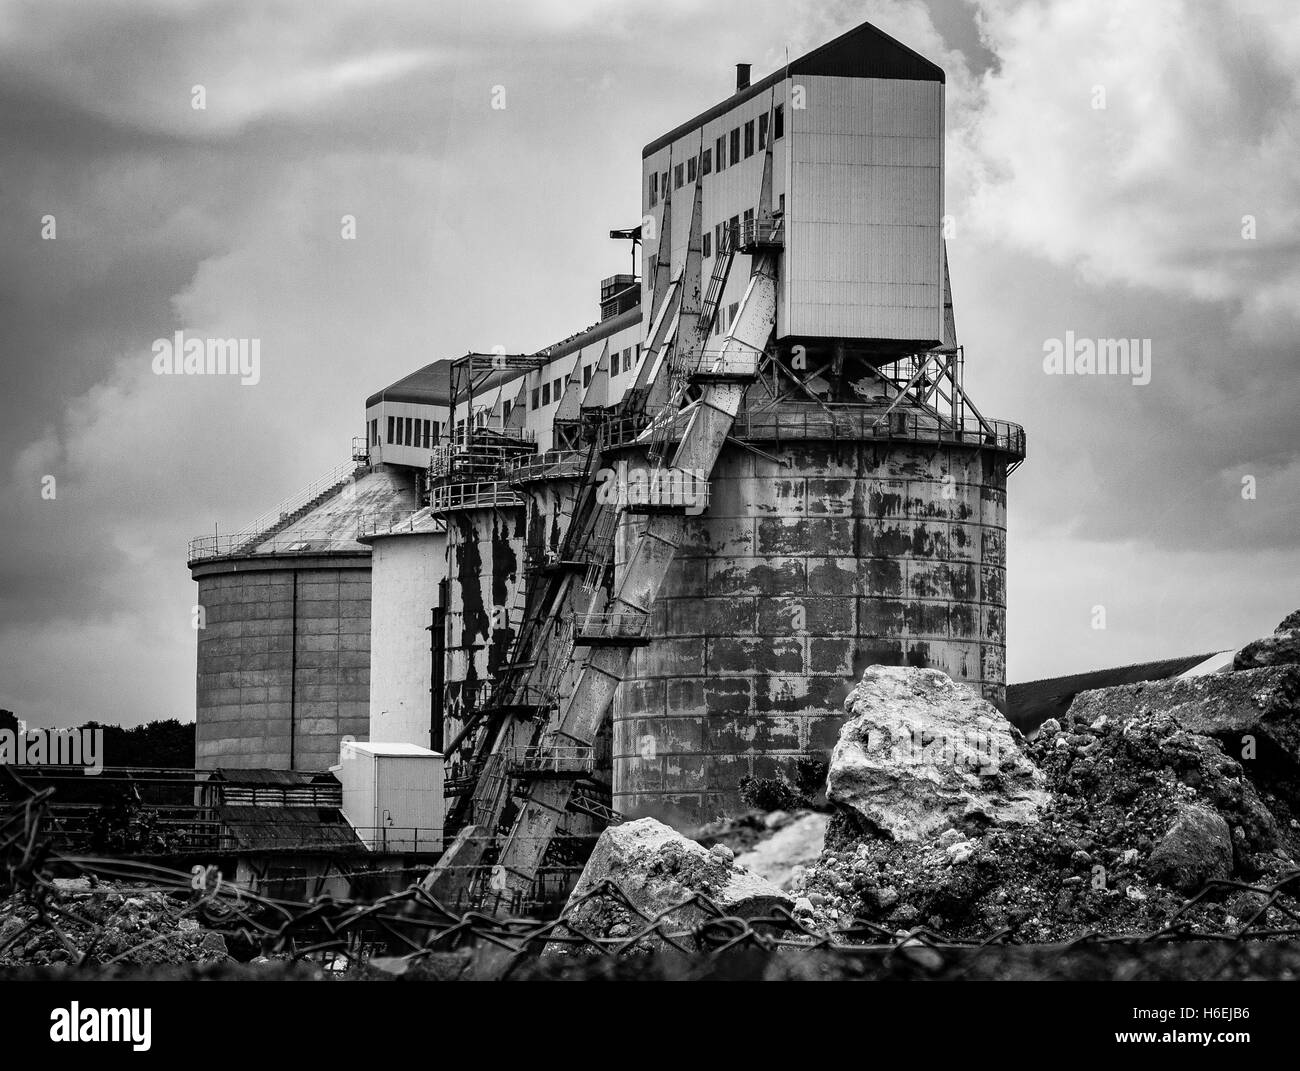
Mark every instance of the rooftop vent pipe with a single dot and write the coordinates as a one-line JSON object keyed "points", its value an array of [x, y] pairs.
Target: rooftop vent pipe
{"points": [[742, 76]]}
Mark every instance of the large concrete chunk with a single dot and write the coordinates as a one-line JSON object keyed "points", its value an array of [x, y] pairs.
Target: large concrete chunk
{"points": [[922, 752], [1197, 848], [657, 869], [1262, 703], [1280, 649]]}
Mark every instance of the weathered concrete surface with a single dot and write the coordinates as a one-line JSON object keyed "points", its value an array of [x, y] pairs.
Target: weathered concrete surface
{"points": [[921, 752], [657, 868], [283, 668], [795, 579], [1140, 810], [1260, 703], [283, 662], [484, 604], [1280, 649], [1197, 848], [788, 850]]}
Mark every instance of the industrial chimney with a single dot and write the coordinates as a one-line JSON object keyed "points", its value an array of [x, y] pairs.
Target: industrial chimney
{"points": [[742, 76]]}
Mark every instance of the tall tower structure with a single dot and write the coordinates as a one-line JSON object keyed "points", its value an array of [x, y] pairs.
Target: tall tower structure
{"points": [[857, 512]]}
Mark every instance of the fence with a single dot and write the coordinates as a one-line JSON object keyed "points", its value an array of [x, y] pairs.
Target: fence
{"points": [[398, 932]]}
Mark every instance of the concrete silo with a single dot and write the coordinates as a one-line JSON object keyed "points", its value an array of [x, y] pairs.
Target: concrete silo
{"points": [[284, 654]]}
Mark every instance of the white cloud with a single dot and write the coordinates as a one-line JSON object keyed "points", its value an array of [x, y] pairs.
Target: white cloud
{"points": [[1198, 130]]}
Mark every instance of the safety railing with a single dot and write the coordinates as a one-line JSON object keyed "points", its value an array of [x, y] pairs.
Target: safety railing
{"points": [[543, 759], [662, 490], [391, 523], [404, 839], [476, 458], [619, 626], [734, 362], [551, 465], [215, 546], [203, 548], [624, 431], [297, 500], [802, 421], [761, 233], [482, 495]]}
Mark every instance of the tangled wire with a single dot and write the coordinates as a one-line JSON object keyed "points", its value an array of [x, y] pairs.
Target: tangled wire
{"points": [[399, 932]]}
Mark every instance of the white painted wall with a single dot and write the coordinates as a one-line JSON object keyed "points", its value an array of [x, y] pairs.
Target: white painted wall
{"points": [[392, 795], [404, 575], [861, 170]]}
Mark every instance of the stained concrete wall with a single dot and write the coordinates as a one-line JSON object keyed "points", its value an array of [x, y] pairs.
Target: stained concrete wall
{"points": [[485, 574], [282, 677], [785, 590]]}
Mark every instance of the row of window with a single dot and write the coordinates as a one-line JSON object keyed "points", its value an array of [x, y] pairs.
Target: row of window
{"points": [[739, 145], [407, 431], [619, 361]]}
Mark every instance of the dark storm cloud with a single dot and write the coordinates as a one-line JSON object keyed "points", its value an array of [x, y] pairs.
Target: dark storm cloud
{"points": [[479, 228]]}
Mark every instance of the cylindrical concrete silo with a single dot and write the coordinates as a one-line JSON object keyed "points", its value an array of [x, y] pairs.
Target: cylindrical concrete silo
{"points": [[842, 553], [284, 651], [408, 560]]}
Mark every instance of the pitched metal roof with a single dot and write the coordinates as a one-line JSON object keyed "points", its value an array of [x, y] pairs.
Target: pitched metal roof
{"points": [[863, 52], [431, 385], [288, 828]]}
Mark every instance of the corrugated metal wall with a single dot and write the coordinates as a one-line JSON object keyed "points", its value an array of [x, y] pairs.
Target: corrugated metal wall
{"points": [[863, 187]]}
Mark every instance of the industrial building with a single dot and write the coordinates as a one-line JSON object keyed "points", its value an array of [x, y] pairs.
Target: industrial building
{"points": [[614, 576]]}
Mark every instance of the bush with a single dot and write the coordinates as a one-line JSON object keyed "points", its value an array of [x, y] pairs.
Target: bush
{"points": [[769, 794], [810, 774]]}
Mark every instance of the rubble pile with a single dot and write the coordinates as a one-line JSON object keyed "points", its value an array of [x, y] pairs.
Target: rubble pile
{"points": [[1107, 823], [657, 869], [119, 924]]}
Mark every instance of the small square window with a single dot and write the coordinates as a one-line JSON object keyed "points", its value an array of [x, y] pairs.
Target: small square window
{"points": [[706, 162]]}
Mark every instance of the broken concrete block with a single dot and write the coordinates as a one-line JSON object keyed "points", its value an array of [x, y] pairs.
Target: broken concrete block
{"points": [[921, 751], [1280, 649], [657, 869], [1197, 848], [1262, 703]]}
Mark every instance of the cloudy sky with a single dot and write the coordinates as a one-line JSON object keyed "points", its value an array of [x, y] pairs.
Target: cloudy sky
{"points": [[479, 227]]}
